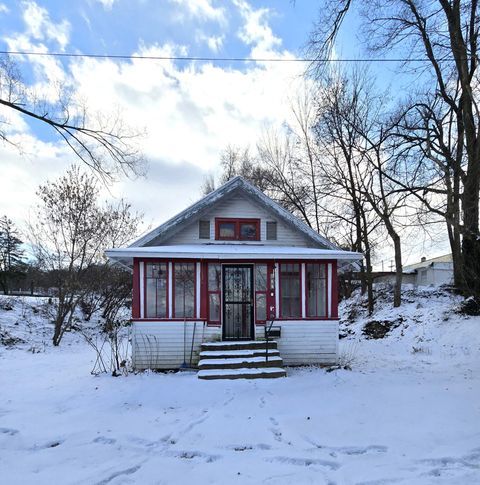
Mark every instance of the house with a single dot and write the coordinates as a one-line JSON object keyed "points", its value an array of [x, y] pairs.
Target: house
{"points": [[435, 271], [223, 269]]}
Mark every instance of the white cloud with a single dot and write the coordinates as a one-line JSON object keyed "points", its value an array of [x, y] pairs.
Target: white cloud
{"points": [[41, 27], [107, 4], [4, 8], [255, 31], [201, 9], [191, 112], [214, 42]]}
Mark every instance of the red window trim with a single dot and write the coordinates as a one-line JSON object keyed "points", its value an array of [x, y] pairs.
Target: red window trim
{"points": [[237, 222], [214, 323], [145, 278], [174, 317], [261, 292], [289, 317], [312, 317], [203, 315]]}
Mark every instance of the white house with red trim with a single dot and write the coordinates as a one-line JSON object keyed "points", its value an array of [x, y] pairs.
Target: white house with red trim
{"points": [[224, 268]]}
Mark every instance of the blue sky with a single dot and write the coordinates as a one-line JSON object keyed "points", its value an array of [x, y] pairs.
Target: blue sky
{"points": [[189, 111]]}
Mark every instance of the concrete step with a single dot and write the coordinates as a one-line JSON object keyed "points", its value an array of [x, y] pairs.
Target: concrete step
{"points": [[242, 373], [238, 363], [237, 354], [238, 345]]}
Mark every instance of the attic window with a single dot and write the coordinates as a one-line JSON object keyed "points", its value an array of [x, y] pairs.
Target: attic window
{"points": [[271, 231], [237, 229], [204, 230]]}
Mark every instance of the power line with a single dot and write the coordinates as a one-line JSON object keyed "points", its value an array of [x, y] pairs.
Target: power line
{"points": [[205, 59]]}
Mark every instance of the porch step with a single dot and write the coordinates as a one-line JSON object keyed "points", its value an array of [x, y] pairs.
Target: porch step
{"points": [[225, 354], [242, 373], [238, 345], [238, 363], [240, 360]]}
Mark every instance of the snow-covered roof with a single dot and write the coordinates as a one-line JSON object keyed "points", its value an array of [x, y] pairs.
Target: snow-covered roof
{"points": [[237, 183], [229, 251], [446, 258]]}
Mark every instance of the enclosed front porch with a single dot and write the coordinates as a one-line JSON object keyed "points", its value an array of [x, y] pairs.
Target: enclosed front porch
{"points": [[186, 295]]}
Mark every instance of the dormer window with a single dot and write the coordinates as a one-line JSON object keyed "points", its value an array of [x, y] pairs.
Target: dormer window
{"points": [[237, 229]]}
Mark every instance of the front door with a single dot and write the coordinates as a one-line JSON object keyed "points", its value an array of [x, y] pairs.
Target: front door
{"points": [[238, 302]]}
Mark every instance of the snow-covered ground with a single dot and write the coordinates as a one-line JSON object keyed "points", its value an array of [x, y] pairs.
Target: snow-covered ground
{"points": [[408, 412]]}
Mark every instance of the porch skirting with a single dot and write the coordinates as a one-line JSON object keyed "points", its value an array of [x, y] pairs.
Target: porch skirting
{"points": [[166, 344]]}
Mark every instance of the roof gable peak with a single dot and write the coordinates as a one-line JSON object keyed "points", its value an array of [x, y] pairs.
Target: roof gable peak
{"points": [[252, 192]]}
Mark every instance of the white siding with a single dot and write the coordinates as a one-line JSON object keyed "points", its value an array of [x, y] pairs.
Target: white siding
{"points": [[238, 206], [161, 345], [307, 342]]}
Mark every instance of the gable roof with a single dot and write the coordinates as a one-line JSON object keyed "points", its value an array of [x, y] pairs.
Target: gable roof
{"points": [[236, 184]]}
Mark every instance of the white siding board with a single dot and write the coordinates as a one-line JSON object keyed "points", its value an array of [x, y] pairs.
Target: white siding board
{"points": [[160, 345], [308, 342], [238, 206]]}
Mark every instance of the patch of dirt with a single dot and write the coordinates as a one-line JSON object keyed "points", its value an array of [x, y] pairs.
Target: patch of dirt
{"points": [[470, 307], [375, 329], [9, 340]]}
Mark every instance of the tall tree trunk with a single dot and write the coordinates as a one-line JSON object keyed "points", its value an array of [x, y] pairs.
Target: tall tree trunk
{"points": [[397, 293]]}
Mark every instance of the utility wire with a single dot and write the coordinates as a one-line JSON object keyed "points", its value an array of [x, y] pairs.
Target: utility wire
{"points": [[206, 59]]}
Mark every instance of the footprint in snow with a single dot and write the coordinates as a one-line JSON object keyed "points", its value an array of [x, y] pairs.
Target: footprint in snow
{"points": [[104, 440], [9, 431], [128, 471], [48, 444], [332, 465]]}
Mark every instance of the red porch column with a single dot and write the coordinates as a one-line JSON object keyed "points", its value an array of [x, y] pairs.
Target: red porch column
{"points": [[136, 290], [334, 276]]}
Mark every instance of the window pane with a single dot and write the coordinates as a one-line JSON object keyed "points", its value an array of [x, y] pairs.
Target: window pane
{"points": [[226, 230], [151, 300], [184, 290], [261, 302], [156, 294], [290, 290], [261, 277], [214, 307], [162, 298], [214, 277], [248, 230], [316, 290]]}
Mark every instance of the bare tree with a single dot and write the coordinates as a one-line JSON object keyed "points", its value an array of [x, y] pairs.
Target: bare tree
{"points": [[70, 234], [445, 33], [346, 105], [103, 142]]}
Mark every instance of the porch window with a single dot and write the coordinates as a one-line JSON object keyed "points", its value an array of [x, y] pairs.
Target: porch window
{"points": [[184, 290], [290, 291], [156, 290], [316, 289], [237, 229], [214, 282], [261, 286]]}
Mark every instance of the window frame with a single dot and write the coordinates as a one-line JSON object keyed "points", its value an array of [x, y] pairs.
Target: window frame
{"points": [[261, 292], [301, 287], [218, 292], [145, 290], [316, 317], [237, 222], [194, 317]]}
